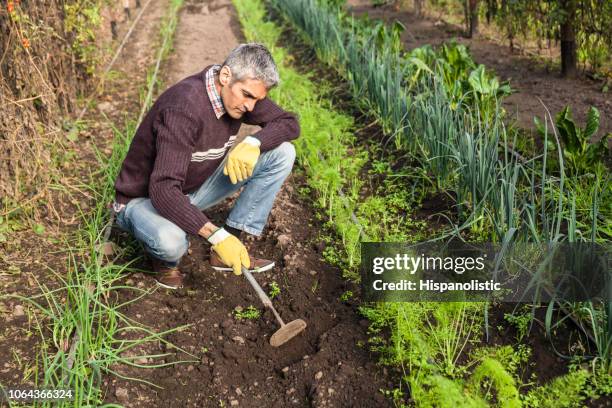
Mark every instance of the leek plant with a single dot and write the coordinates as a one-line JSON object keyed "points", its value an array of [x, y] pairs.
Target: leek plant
{"points": [[436, 129], [448, 115], [445, 110]]}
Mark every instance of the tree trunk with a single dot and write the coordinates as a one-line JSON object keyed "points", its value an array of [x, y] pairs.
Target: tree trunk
{"points": [[491, 10], [473, 18], [466, 15], [568, 39], [418, 7]]}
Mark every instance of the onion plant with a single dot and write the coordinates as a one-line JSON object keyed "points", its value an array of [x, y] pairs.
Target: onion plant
{"points": [[85, 338]]}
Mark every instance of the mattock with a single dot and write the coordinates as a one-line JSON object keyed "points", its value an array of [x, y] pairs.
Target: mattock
{"points": [[286, 331]]}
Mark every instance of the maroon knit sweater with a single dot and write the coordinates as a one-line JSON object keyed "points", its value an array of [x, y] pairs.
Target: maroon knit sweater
{"points": [[180, 143]]}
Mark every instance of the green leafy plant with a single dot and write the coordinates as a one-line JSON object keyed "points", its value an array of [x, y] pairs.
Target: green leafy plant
{"points": [[580, 155], [274, 290], [490, 375], [346, 296], [250, 313], [521, 321], [562, 392], [82, 18], [437, 391]]}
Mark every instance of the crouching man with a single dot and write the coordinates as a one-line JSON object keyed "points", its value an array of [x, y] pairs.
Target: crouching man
{"points": [[178, 164]]}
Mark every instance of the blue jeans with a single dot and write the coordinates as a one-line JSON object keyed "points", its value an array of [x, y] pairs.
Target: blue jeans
{"points": [[167, 242]]}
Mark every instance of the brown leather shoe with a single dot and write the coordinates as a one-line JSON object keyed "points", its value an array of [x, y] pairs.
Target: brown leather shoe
{"points": [[167, 277], [257, 264]]}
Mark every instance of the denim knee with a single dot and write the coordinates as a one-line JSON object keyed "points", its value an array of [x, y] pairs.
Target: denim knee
{"points": [[170, 244], [286, 153]]}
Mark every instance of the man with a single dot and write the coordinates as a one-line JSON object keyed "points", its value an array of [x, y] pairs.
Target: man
{"points": [[178, 164]]}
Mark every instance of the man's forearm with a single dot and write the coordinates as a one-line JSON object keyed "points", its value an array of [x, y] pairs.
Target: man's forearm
{"points": [[207, 230]]}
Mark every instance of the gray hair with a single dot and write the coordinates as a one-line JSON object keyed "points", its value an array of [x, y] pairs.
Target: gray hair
{"points": [[252, 61]]}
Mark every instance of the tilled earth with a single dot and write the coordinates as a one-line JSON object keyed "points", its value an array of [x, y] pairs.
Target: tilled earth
{"points": [[326, 366]]}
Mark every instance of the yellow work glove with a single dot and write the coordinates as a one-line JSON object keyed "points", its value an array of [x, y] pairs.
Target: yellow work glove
{"points": [[241, 161], [231, 251]]}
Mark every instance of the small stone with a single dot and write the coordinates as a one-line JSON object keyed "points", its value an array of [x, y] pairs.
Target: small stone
{"points": [[141, 360], [238, 339], [18, 311], [234, 403], [330, 391], [306, 357], [283, 240], [190, 368], [238, 391], [313, 273], [319, 375], [285, 369], [105, 106], [122, 394], [290, 391]]}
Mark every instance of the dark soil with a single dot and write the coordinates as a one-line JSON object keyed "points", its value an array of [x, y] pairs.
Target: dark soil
{"points": [[324, 366], [531, 79]]}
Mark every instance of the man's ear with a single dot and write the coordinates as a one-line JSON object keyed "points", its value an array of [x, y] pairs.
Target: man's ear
{"points": [[225, 75]]}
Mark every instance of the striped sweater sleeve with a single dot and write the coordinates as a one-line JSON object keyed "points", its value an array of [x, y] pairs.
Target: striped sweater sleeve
{"points": [[277, 125], [175, 133]]}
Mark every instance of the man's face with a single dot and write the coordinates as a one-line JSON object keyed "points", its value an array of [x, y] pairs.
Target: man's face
{"points": [[239, 97]]}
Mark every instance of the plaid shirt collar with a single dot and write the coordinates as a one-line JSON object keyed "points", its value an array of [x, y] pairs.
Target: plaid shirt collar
{"points": [[213, 95]]}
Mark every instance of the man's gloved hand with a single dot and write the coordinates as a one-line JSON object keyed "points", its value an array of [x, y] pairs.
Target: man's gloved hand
{"points": [[231, 251], [241, 161]]}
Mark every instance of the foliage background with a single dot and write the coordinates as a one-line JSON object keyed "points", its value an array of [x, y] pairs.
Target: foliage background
{"points": [[48, 51]]}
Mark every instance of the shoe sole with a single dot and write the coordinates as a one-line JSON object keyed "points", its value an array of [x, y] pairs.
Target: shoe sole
{"points": [[163, 285], [262, 269]]}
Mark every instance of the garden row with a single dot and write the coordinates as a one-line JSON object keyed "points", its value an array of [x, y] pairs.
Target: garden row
{"points": [[83, 327], [576, 28], [442, 111]]}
